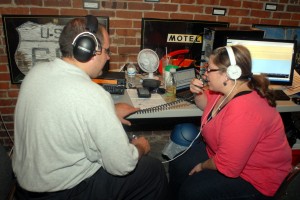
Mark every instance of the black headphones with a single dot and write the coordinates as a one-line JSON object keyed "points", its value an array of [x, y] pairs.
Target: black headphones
{"points": [[233, 71], [86, 43]]}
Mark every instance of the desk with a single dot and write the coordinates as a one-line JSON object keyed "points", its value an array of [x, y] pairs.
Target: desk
{"points": [[191, 110]]}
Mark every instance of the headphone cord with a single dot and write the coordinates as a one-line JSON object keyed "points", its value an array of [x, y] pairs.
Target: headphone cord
{"points": [[191, 144], [183, 152], [201, 127], [219, 107]]}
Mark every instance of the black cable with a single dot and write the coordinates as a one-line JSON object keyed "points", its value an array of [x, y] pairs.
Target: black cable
{"points": [[7, 132]]}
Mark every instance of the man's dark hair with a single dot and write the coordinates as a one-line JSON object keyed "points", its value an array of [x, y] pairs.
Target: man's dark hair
{"points": [[70, 31]]}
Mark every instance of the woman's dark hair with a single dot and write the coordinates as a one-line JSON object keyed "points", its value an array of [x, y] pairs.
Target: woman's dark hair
{"points": [[259, 83]]}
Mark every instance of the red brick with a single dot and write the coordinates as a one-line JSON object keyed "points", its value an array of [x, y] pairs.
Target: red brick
{"points": [[6, 102], [293, 8], [260, 14], [120, 24], [281, 15], [6, 2], [77, 4], [4, 85], [44, 11], [295, 16], [14, 11], [140, 6], [238, 12], [212, 18], [183, 1], [250, 20], [13, 93], [131, 41], [129, 14], [208, 2], [73, 12], [114, 5], [182, 16], [253, 5], [270, 21], [4, 77], [157, 15], [128, 32], [166, 7], [128, 50], [57, 3], [191, 8], [7, 110], [231, 3], [289, 23], [29, 2], [3, 68]]}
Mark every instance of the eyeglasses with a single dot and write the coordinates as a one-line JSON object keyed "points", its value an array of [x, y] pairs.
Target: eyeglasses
{"points": [[107, 51], [208, 70]]}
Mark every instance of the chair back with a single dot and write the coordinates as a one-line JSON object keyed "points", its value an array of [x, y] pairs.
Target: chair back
{"points": [[290, 187]]}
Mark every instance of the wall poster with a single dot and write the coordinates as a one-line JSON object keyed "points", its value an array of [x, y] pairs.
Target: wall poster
{"points": [[32, 38]]}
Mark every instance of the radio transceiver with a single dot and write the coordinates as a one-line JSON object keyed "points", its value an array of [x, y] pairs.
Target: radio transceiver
{"points": [[113, 82]]}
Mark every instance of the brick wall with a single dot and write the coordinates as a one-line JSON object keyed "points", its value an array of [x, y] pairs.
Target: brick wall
{"points": [[125, 32]]}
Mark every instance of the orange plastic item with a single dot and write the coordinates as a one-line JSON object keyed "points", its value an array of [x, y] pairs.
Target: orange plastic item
{"points": [[184, 63]]}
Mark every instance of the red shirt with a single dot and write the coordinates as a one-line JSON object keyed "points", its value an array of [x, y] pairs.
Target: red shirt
{"points": [[247, 139]]}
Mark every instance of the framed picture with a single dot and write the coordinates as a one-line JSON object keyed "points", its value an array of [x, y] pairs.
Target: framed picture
{"points": [[167, 35], [32, 38]]}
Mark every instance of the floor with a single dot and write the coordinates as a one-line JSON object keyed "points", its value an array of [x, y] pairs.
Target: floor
{"points": [[157, 140]]}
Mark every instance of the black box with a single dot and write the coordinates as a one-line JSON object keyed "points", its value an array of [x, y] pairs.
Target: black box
{"points": [[113, 82]]}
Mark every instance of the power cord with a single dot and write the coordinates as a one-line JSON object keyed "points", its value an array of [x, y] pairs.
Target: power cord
{"points": [[7, 132]]}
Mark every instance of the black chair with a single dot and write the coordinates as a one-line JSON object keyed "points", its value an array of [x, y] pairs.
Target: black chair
{"points": [[290, 188]]}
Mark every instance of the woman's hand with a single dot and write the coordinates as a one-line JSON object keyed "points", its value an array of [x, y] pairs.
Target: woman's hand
{"points": [[208, 164], [196, 169], [123, 110], [142, 145], [196, 86]]}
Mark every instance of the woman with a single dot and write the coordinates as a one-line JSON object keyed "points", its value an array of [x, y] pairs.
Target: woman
{"points": [[244, 153]]}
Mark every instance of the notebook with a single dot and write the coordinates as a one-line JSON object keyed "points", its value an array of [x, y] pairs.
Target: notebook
{"points": [[184, 76]]}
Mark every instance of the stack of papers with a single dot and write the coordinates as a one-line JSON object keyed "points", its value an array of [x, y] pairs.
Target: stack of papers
{"points": [[143, 103], [295, 88]]}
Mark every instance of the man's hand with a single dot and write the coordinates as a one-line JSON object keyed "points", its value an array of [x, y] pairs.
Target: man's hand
{"points": [[142, 145], [122, 110]]}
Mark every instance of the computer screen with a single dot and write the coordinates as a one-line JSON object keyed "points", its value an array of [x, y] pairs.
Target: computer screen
{"points": [[184, 76], [274, 58]]}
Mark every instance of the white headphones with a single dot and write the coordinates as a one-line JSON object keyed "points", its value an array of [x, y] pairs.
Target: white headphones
{"points": [[233, 71]]}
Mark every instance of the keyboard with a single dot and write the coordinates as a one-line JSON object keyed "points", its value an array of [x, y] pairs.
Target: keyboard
{"points": [[186, 95], [280, 95]]}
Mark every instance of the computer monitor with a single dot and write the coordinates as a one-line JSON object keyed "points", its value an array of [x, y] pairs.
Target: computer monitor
{"points": [[272, 57]]}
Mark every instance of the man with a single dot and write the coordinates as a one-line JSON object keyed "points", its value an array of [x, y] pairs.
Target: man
{"points": [[70, 143]]}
